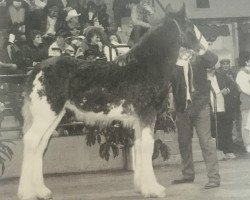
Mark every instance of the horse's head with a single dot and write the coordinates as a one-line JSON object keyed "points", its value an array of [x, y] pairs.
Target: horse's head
{"points": [[191, 37]]}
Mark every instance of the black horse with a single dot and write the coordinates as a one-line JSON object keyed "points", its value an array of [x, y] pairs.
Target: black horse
{"points": [[131, 91]]}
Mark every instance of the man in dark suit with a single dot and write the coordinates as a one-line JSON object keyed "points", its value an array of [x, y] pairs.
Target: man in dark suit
{"points": [[191, 91]]}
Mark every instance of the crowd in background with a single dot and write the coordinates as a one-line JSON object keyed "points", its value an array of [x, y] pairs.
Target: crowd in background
{"points": [[38, 29]]}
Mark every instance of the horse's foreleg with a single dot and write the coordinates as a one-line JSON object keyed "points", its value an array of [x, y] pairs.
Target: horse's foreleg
{"points": [[31, 141], [138, 157], [149, 185], [42, 191]]}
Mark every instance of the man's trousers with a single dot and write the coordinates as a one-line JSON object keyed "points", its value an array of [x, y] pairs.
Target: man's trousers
{"points": [[185, 133]]}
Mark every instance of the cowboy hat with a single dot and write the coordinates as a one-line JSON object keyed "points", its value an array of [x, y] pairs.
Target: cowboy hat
{"points": [[71, 14]]}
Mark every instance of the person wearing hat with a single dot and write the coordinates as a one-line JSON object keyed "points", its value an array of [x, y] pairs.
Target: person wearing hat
{"points": [[60, 47], [226, 96], [191, 91], [71, 25]]}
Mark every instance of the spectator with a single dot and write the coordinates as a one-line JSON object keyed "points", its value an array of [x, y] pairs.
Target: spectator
{"points": [[36, 11], [103, 16], [4, 14], [17, 14], [226, 98], [72, 27], [11, 53], [93, 42], [64, 6], [83, 10], [119, 9], [115, 50], [243, 81], [35, 51], [49, 23], [60, 47], [7, 64], [91, 14], [141, 16]]}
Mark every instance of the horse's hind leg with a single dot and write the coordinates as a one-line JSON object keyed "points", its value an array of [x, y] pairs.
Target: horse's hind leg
{"points": [[42, 192]]}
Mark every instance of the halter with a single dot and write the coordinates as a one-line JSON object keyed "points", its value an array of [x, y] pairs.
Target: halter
{"points": [[201, 40], [181, 35]]}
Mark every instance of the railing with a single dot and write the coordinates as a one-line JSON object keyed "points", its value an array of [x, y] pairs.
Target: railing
{"points": [[11, 99]]}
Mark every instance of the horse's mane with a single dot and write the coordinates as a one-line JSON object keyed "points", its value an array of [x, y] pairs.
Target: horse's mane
{"points": [[157, 45]]}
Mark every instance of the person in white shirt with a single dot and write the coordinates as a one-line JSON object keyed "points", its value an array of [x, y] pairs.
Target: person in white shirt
{"points": [[59, 47], [243, 82]]}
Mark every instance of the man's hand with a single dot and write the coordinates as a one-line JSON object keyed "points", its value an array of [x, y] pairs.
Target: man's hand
{"points": [[225, 91]]}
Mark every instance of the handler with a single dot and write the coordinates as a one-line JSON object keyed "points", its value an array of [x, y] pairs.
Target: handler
{"points": [[191, 92]]}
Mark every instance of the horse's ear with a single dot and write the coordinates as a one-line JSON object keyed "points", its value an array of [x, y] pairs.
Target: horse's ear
{"points": [[182, 11], [169, 10]]}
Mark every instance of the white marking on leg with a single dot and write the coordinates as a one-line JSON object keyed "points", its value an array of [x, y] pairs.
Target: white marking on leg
{"points": [[149, 185], [31, 141], [41, 190], [137, 157]]}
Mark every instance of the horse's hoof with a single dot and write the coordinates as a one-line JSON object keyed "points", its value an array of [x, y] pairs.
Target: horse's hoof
{"points": [[44, 194], [156, 191]]}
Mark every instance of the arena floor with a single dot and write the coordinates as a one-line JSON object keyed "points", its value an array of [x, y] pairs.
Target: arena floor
{"points": [[235, 184]]}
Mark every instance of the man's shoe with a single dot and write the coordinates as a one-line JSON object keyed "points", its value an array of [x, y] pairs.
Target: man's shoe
{"points": [[211, 184], [183, 180]]}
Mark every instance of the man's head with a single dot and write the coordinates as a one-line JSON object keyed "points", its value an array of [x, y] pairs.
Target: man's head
{"points": [[53, 11], [225, 64], [17, 3], [36, 37], [72, 16]]}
